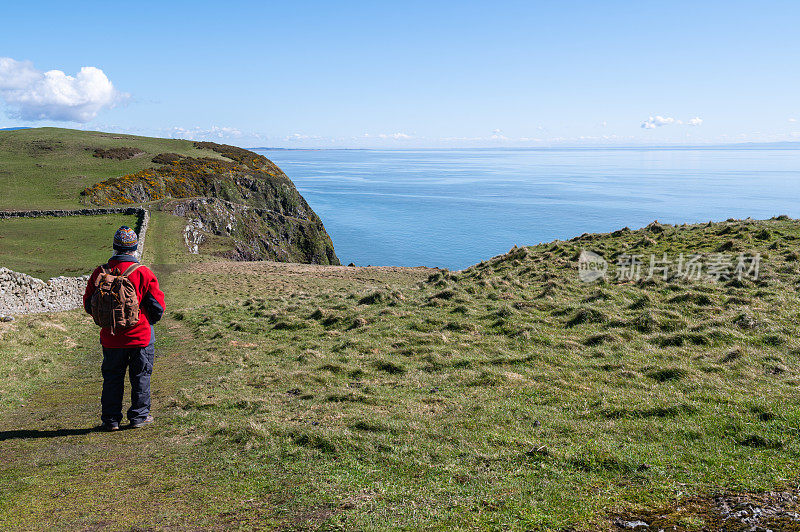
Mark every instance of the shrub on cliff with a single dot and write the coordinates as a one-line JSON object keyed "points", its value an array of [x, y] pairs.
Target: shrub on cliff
{"points": [[167, 158], [119, 154]]}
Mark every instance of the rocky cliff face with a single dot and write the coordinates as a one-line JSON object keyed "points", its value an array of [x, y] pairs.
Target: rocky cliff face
{"points": [[252, 233], [244, 198]]}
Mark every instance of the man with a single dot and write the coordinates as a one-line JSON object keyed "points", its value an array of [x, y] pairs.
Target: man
{"points": [[130, 347]]}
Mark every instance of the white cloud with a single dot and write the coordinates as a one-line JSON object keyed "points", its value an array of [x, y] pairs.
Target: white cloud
{"points": [[16, 75], [657, 121], [301, 137], [497, 135], [34, 95], [395, 136], [198, 133], [386, 136], [792, 120]]}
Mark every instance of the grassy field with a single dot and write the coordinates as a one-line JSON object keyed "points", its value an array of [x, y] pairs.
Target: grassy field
{"points": [[65, 163], [49, 247], [42, 349], [510, 395]]}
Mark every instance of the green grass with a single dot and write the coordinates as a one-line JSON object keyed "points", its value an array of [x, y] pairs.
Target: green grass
{"points": [[489, 404], [506, 396], [49, 167], [48, 247], [168, 247], [34, 350]]}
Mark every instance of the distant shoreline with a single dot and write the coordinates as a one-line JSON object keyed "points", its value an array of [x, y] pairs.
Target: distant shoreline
{"points": [[788, 146], [311, 149]]}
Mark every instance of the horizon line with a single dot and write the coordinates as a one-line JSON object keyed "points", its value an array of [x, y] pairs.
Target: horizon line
{"points": [[788, 145]]}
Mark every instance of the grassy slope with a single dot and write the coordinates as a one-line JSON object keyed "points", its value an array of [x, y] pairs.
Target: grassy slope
{"points": [[44, 168], [49, 247], [513, 393], [65, 165], [509, 395]]}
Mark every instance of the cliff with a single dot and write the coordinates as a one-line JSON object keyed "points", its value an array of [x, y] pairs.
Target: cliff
{"points": [[265, 216], [245, 199]]}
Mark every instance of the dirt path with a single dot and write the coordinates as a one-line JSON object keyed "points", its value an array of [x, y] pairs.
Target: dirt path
{"points": [[58, 471]]}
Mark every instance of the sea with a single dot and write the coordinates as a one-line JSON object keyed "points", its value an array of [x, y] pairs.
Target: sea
{"points": [[453, 208]]}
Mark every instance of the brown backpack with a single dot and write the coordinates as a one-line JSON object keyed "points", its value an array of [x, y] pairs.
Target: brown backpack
{"points": [[114, 301]]}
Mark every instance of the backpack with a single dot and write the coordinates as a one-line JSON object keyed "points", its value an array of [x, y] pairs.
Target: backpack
{"points": [[114, 302]]}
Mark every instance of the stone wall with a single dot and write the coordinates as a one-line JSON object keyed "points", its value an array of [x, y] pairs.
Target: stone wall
{"points": [[22, 294], [144, 221], [77, 212]]}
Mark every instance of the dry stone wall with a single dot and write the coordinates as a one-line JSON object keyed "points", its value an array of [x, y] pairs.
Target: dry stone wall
{"points": [[76, 212], [22, 294], [144, 221]]}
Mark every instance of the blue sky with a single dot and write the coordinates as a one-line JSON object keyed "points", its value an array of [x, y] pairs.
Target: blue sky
{"points": [[408, 74]]}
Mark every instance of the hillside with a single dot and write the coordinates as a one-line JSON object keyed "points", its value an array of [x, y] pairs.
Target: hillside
{"points": [[47, 168], [235, 199], [510, 395]]}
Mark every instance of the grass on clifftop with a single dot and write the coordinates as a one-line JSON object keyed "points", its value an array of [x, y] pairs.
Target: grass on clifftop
{"points": [[510, 395], [49, 247], [46, 168]]}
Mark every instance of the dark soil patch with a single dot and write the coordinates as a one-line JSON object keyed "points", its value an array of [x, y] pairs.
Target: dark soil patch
{"points": [[44, 146], [119, 154], [667, 374], [586, 315]]}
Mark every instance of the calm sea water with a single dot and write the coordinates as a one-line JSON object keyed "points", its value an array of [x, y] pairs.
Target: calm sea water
{"points": [[453, 208]]}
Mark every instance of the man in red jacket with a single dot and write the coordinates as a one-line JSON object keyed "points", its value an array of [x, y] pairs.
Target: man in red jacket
{"points": [[131, 348]]}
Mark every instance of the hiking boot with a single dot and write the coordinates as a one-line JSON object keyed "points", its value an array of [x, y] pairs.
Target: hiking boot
{"points": [[141, 423], [110, 427]]}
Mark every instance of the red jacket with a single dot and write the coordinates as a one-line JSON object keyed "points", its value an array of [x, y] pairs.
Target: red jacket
{"points": [[151, 303]]}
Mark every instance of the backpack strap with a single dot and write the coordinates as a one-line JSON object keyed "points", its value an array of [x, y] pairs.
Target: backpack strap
{"points": [[132, 268], [103, 270]]}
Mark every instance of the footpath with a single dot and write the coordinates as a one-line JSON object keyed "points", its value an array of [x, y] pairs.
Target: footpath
{"points": [[58, 471]]}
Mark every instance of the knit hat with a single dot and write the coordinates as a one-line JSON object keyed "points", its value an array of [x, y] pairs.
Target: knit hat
{"points": [[125, 239]]}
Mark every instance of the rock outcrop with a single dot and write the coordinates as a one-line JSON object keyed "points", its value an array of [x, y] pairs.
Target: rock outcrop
{"points": [[253, 233]]}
